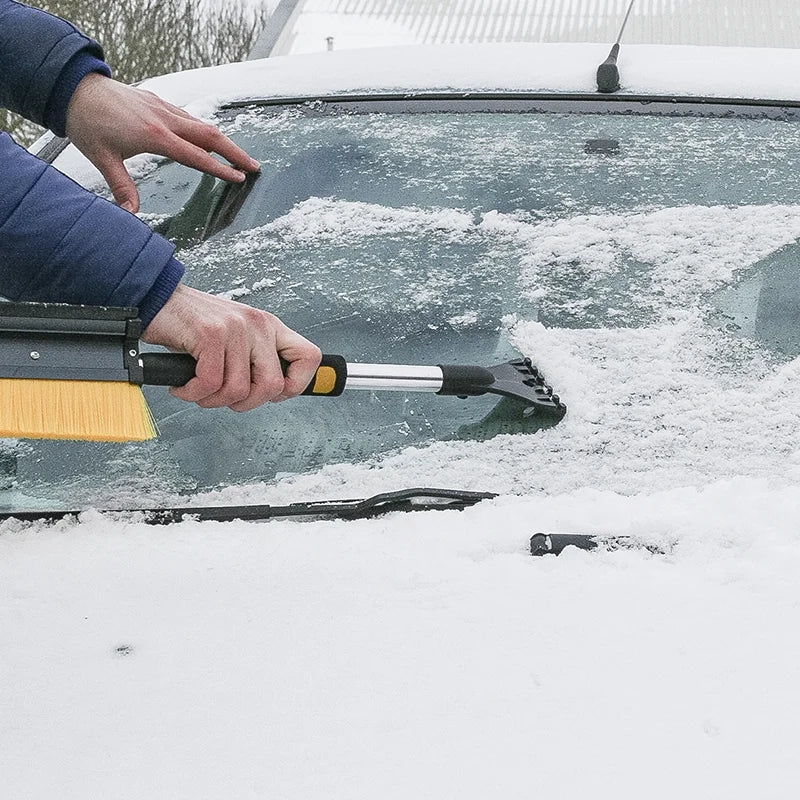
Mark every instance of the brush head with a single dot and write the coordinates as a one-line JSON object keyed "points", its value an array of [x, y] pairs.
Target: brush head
{"points": [[69, 372], [101, 411]]}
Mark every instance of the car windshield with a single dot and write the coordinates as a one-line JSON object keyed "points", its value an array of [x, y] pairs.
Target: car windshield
{"points": [[647, 263]]}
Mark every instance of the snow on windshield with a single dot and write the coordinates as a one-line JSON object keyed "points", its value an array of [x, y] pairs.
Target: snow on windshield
{"points": [[569, 265], [617, 306], [447, 238], [658, 396]]}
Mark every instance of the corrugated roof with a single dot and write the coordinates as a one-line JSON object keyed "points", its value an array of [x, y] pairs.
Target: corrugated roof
{"points": [[364, 23]]}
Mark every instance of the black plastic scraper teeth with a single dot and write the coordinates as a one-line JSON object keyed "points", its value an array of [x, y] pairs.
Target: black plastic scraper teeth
{"points": [[521, 380]]}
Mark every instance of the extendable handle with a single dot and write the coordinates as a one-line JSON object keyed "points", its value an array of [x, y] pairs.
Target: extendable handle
{"points": [[176, 369], [518, 379]]}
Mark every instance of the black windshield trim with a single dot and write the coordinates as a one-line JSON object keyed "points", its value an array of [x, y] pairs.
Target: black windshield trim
{"points": [[543, 102]]}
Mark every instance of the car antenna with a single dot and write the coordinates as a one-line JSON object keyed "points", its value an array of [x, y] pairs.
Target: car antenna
{"points": [[608, 72]]}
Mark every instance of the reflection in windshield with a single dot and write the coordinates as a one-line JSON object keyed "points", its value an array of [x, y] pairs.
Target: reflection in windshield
{"points": [[445, 238], [765, 305]]}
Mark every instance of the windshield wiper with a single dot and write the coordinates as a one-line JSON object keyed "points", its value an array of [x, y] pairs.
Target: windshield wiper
{"points": [[418, 499], [543, 544], [608, 71]]}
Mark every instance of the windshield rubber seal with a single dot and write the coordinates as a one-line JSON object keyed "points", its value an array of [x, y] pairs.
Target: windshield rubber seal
{"points": [[531, 102]]}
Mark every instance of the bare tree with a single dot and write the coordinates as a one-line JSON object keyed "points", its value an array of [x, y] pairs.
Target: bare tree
{"points": [[142, 38]]}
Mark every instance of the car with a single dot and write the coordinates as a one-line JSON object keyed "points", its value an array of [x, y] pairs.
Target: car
{"points": [[447, 205], [472, 204]]}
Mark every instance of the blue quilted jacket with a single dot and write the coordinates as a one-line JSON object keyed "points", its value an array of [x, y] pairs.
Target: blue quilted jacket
{"points": [[59, 242]]}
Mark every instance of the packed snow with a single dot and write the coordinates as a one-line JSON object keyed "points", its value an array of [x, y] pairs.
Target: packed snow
{"points": [[410, 656]]}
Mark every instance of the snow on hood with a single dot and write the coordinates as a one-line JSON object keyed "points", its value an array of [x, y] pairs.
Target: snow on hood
{"points": [[410, 656]]}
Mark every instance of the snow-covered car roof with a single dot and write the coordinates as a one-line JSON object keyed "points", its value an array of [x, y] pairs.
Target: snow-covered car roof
{"points": [[680, 71]]}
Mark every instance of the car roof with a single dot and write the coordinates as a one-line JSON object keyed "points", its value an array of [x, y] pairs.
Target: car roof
{"points": [[676, 70]]}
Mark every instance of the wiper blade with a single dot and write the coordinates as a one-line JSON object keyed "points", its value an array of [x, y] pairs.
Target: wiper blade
{"points": [[543, 544], [417, 499]]}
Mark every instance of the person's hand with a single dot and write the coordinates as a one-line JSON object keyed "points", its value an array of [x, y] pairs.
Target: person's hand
{"points": [[237, 348], [109, 122]]}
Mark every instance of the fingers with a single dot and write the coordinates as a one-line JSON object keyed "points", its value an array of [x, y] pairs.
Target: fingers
{"points": [[119, 182], [223, 372], [209, 377], [243, 378], [238, 351], [266, 382], [272, 383], [211, 139], [191, 155], [123, 188], [110, 122], [303, 358], [250, 379], [190, 142]]}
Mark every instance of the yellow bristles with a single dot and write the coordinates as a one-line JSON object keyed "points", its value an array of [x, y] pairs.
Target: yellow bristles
{"points": [[104, 411]]}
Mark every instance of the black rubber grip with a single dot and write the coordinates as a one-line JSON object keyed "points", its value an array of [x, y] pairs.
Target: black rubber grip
{"points": [[464, 381], [168, 369], [176, 369]]}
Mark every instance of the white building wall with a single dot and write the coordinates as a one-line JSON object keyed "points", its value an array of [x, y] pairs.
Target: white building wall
{"points": [[370, 23]]}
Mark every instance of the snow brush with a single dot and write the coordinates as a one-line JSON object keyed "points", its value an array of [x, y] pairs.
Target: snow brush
{"points": [[75, 372]]}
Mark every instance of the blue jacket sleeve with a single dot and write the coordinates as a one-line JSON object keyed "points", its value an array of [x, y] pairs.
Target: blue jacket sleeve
{"points": [[40, 53], [60, 243]]}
